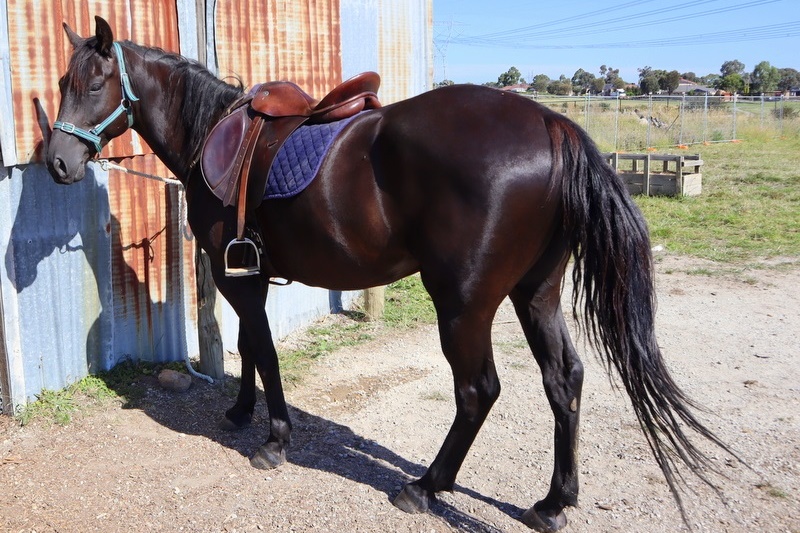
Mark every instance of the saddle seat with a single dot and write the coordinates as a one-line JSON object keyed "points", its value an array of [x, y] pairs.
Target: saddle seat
{"points": [[284, 99], [239, 150]]}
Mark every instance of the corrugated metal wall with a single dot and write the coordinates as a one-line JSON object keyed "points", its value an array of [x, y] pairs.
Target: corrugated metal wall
{"points": [[101, 270]]}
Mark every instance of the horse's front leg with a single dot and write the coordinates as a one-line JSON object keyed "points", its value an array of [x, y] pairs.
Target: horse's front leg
{"points": [[247, 296]]}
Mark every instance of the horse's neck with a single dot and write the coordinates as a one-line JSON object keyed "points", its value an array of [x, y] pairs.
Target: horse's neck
{"points": [[159, 123], [158, 116]]}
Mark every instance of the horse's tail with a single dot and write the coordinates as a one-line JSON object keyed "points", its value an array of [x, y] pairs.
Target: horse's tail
{"points": [[613, 276]]}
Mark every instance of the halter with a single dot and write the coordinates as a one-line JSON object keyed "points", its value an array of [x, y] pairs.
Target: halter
{"points": [[93, 135]]}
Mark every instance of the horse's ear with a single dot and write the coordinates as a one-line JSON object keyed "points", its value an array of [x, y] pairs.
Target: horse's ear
{"points": [[105, 37], [74, 39]]}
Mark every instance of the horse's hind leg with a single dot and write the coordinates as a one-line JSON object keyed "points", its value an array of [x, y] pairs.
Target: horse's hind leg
{"points": [[465, 331], [539, 310]]}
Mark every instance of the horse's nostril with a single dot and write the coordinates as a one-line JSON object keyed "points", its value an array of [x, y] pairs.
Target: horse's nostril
{"points": [[60, 167]]}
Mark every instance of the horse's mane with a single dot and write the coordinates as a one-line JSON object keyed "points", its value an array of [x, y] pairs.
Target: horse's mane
{"points": [[204, 96]]}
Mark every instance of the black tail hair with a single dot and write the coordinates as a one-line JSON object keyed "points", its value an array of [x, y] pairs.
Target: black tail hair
{"points": [[613, 277]]}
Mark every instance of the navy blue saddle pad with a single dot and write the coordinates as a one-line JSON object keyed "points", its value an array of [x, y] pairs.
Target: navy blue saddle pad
{"points": [[297, 162]]}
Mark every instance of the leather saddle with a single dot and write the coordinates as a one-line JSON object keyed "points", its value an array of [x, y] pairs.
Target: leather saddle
{"points": [[258, 123], [240, 148]]}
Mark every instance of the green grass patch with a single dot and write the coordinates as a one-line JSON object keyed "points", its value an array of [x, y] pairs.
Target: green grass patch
{"points": [[408, 305], [123, 385], [60, 406], [749, 209]]}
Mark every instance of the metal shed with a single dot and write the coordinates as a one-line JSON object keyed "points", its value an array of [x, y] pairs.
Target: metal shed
{"points": [[102, 271]]}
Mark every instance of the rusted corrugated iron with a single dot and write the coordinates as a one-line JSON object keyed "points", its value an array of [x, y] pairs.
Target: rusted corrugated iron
{"points": [[37, 68], [149, 252], [113, 275], [280, 40]]}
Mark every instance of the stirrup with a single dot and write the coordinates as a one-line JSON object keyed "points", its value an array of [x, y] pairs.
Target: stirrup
{"points": [[242, 270]]}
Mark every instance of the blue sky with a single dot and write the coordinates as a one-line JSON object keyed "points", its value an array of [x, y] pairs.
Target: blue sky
{"points": [[477, 40]]}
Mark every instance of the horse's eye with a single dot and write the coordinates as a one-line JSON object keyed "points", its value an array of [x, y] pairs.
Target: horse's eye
{"points": [[95, 87]]}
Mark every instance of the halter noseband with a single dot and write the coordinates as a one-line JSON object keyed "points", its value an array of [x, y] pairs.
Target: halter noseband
{"points": [[93, 135]]}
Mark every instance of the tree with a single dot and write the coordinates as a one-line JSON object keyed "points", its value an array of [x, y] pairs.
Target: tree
{"points": [[540, 83], [690, 76], [649, 84], [764, 78], [562, 86], [618, 83], [670, 81], [510, 77], [709, 79], [443, 83], [732, 83], [788, 78], [582, 81], [649, 80], [733, 66], [610, 74], [598, 85]]}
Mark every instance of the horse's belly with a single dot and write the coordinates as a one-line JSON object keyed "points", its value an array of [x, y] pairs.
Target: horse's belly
{"points": [[343, 252]]}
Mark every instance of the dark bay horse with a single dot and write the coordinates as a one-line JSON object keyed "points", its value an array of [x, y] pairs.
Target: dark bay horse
{"points": [[486, 194]]}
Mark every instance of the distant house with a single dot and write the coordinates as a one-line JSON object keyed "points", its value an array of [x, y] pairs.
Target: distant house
{"points": [[610, 90], [518, 88], [693, 89]]}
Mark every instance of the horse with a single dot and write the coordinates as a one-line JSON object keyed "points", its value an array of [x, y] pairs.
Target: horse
{"points": [[487, 195]]}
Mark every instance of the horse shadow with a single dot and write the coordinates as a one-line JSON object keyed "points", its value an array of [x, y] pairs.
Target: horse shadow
{"points": [[54, 219], [317, 443]]}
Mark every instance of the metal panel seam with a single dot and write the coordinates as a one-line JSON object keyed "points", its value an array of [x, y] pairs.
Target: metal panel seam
{"points": [[8, 145]]}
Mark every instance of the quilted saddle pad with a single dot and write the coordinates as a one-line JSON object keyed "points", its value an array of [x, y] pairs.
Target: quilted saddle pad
{"points": [[297, 162]]}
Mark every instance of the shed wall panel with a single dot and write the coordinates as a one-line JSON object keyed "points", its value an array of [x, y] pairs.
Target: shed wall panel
{"points": [[359, 31], [404, 48], [278, 40], [36, 69]]}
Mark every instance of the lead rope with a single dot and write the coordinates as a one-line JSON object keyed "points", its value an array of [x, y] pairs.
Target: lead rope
{"points": [[107, 165]]}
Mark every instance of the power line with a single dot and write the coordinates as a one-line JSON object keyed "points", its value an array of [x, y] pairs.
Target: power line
{"points": [[522, 37], [758, 33], [602, 27]]}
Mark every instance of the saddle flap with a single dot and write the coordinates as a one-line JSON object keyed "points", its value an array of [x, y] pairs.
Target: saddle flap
{"points": [[223, 142]]}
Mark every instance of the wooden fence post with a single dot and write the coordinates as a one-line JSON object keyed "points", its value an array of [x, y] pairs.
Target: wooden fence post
{"points": [[211, 361], [374, 302]]}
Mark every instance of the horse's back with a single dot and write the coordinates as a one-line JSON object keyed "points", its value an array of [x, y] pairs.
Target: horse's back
{"points": [[424, 179]]}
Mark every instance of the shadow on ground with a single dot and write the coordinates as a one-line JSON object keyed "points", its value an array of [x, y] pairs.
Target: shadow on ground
{"points": [[317, 443]]}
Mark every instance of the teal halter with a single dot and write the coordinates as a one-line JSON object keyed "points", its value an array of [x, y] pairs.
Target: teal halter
{"points": [[93, 135]]}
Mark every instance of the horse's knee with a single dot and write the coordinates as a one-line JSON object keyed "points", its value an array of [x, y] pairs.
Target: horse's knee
{"points": [[476, 398]]}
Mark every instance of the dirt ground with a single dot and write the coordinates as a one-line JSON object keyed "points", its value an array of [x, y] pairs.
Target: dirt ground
{"points": [[370, 417]]}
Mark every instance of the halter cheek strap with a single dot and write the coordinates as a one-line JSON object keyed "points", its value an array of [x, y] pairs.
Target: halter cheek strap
{"points": [[93, 135]]}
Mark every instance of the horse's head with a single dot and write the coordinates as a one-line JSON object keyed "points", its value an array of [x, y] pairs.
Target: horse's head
{"points": [[95, 106]]}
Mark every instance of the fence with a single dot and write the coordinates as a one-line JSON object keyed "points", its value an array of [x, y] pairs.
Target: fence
{"points": [[655, 121]]}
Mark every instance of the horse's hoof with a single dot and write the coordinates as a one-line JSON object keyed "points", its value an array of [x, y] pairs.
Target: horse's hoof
{"points": [[542, 521], [236, 419], [268, 456], [412, 499]]}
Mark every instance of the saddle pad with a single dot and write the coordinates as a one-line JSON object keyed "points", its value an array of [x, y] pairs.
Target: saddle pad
{"points": [[298, 160]]}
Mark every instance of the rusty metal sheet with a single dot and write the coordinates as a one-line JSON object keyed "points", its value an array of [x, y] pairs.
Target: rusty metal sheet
{"points": [[147, 263], [280, 40], [36, 69]]}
